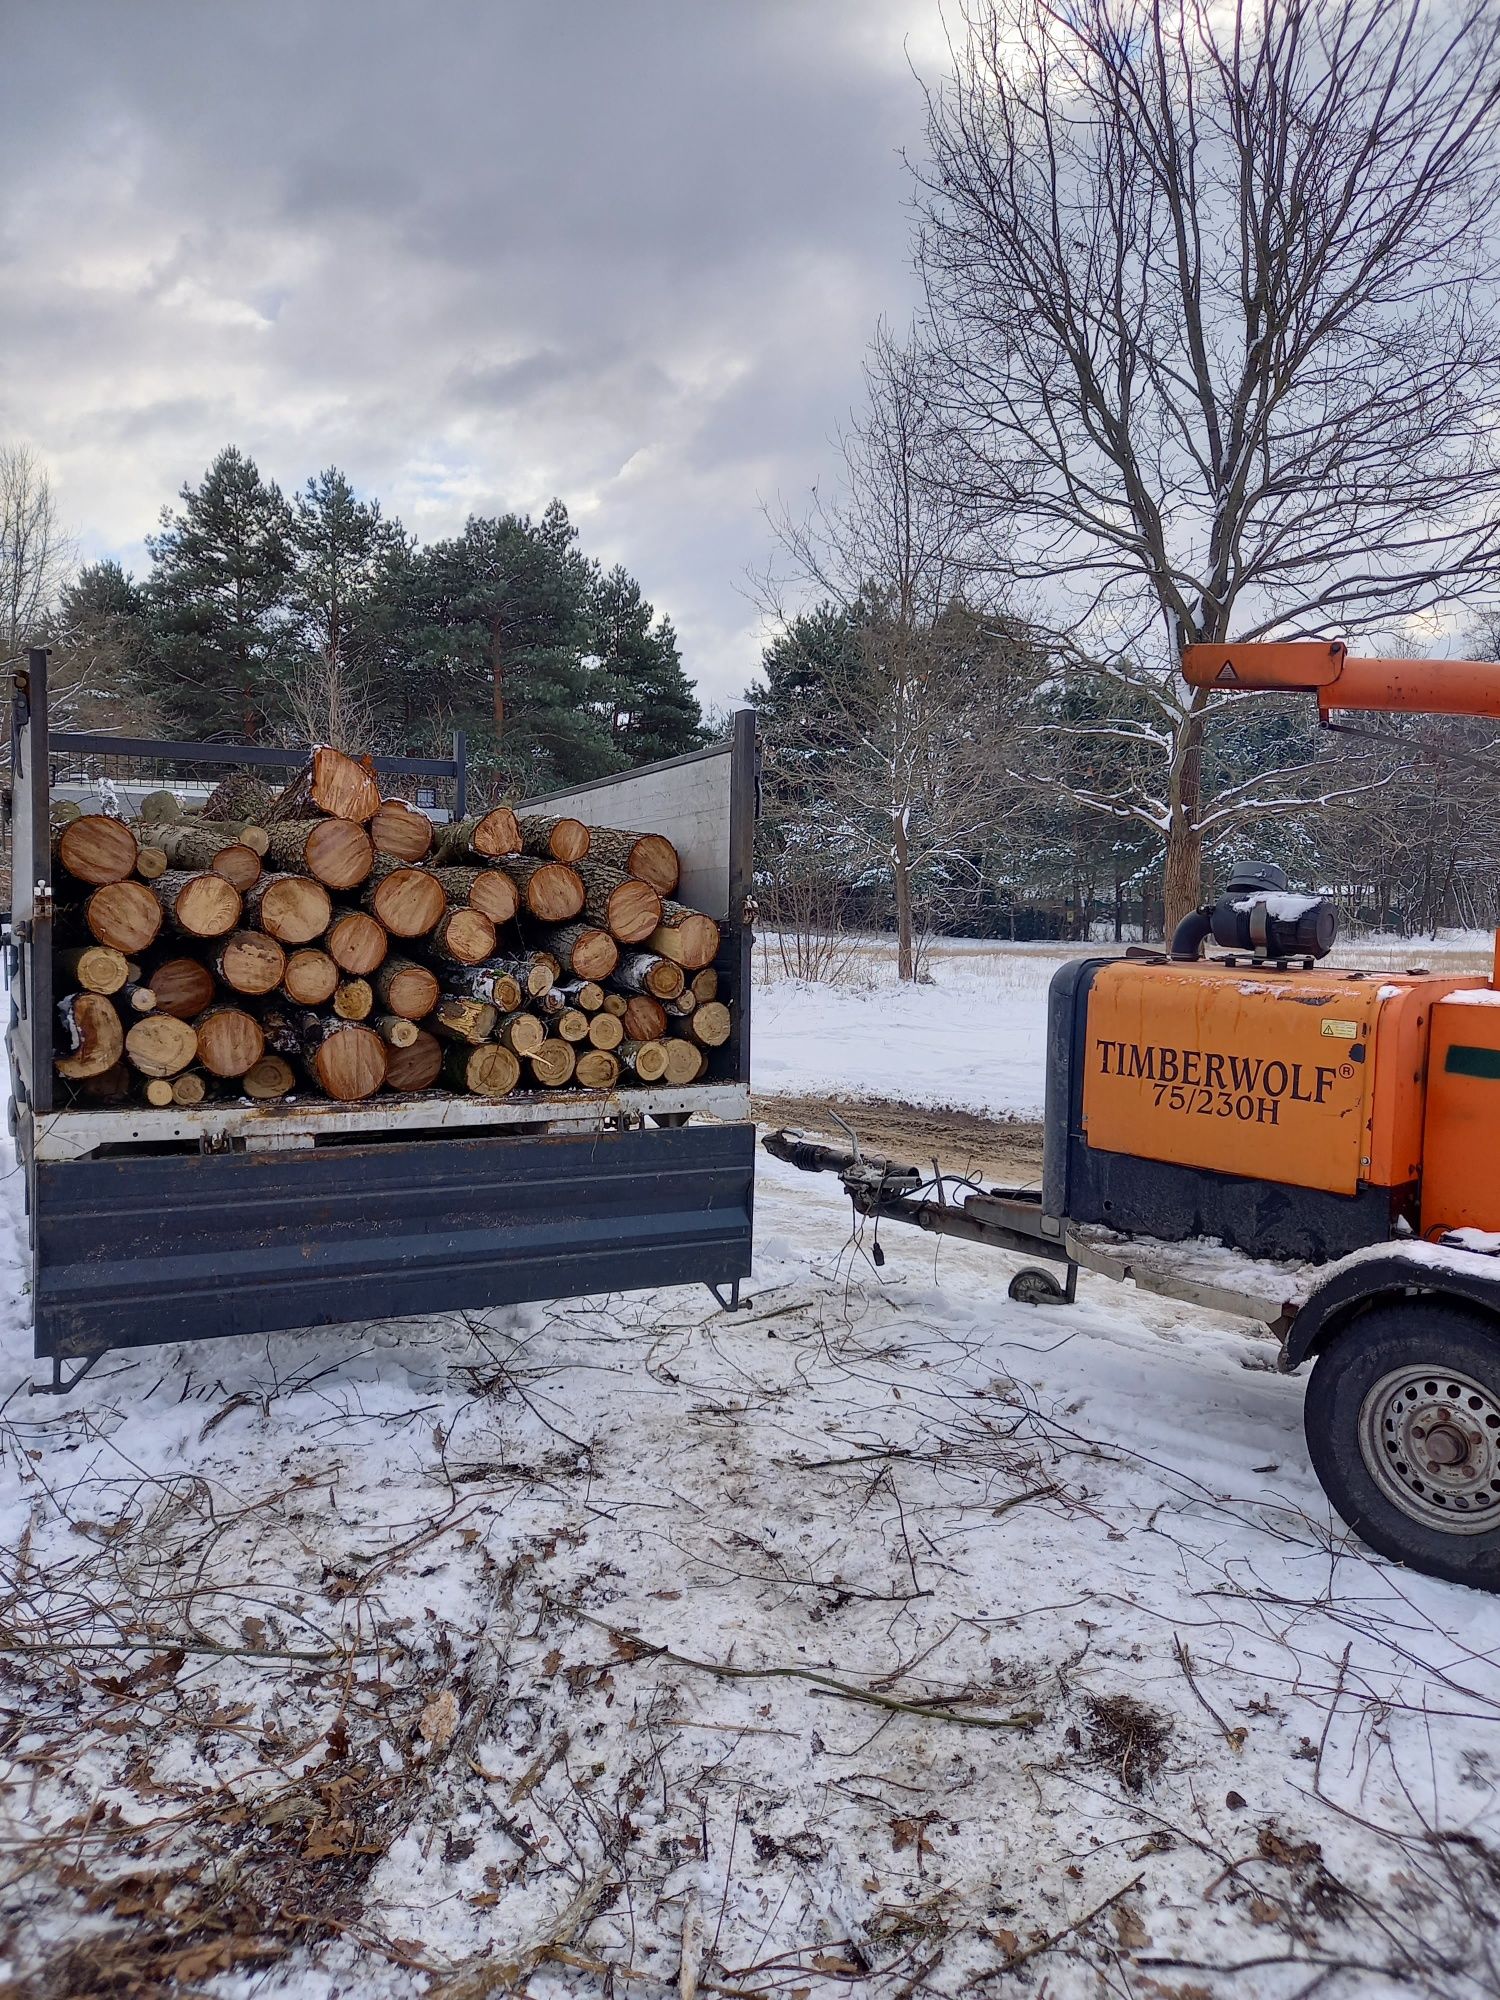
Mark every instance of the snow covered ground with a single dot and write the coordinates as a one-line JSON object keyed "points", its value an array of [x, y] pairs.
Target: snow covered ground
{"points": [[885, 1638], [972, 1040]]}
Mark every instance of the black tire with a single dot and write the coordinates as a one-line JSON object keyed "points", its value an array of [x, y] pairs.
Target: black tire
{"points": [[1036, 1287], [1368, 1402]]}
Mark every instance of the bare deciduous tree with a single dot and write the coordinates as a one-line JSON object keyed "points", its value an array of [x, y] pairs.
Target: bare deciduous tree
{"points": [[1212, 290], [906, 776], [35, 555]]}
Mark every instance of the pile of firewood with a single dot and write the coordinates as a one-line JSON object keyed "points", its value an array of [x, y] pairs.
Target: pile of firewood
{"points": [[329, 941]]}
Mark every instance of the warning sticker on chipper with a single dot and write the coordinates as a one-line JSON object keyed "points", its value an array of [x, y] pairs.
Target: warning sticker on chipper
{"points": [[1341, 1031]]}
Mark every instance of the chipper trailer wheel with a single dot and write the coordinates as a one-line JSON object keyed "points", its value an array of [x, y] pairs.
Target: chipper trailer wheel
{"points": [[1403, 1427], [1035, 1287]]}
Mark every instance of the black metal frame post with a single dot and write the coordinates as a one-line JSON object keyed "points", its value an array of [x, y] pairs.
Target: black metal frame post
{"points": [[269, 756], [744, 810]]}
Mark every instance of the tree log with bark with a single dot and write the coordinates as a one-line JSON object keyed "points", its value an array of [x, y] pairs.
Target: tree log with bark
{"points": [[555, 839], [293, 909], [649, 856], [401, 832], [95, 849], [335, 852]]}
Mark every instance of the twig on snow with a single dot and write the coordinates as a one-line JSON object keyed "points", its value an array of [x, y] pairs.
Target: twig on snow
{"points": [[634, 1647]]}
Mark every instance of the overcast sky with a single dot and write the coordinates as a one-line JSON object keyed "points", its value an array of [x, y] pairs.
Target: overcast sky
{"points": [[624, 251]]}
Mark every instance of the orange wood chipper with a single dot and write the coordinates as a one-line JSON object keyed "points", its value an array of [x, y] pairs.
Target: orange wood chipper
{"points": [[1313, 1148]]}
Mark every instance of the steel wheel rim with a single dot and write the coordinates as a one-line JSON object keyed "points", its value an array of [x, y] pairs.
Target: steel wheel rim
{"points": [[1430, 1440]]}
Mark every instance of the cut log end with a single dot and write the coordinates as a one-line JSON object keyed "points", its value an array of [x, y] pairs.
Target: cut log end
{"points": [[404, 987], [522, 1033], [555, 839], [687, 937], [464, 937], [644, 972], [336, 784], [496, 834], [239, 864], [97, 968], [335, 852], [552, 1063], [349, 1062], [356, 943], [270, 1078], [417, 1066], [709, 1025], [401, 832], [596, 1069], [293, 909], [551, 890], [686, 1062], [230, 1041], [310, 977], [490, 1071], [654, 859], [90, 1036], [396, 1029], [645, 1061], [159, 1045], [250, 962], [182, 987], [606, 1031], [587, 951], [632, 910], [488, 890], [124, 915], [408, 902], [353, 1000], [645, 1019], [649, 856], [201, 906], [96, 849]]}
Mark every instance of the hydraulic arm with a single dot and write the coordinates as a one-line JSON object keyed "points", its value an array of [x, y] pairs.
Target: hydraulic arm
{"points": [[1342, 680]]}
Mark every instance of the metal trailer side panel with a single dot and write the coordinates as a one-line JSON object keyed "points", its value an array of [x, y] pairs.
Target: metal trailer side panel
{"points": [[705, 803], [141, 1249]]}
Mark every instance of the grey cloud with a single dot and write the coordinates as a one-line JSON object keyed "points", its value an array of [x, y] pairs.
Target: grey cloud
{"points": [[476, 254]]}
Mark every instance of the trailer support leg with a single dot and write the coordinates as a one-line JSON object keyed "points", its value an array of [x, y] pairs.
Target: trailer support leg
{"points": [[733, 1302], [60, 1384]]}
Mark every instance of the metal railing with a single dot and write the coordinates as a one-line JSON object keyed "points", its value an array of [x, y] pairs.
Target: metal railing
{"points": [[118, 771]]}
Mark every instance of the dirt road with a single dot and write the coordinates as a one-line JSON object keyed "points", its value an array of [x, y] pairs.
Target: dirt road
{"points": [[962, 1142]]}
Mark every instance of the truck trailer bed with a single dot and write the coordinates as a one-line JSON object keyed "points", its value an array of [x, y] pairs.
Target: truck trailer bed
{"points": [[234, 1217]]}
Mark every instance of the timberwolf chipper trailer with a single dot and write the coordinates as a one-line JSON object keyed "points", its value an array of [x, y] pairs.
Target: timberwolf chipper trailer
{"points": [[1263, 1135], [232, 1217]]}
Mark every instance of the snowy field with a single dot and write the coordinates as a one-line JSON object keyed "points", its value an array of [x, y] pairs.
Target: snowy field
{"points": [[883, 1639], [973, 1039]]}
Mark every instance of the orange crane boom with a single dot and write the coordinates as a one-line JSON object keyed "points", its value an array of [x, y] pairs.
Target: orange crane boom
{"points": [[1342, 680]]}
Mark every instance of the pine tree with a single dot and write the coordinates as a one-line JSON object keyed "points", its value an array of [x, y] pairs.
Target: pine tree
{"points": [[100, 636], [495, 627], [343, 549], [220, 594], [643, 694]]}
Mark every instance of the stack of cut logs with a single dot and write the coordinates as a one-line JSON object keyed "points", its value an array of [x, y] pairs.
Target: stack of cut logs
{"points": [[327, 941]]}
